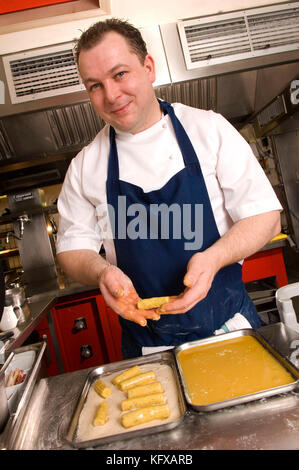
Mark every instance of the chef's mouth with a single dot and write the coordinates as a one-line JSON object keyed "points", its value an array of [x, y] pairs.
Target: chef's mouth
{"points": [[121, 110]]}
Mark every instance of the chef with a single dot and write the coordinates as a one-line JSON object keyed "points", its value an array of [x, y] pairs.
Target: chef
{"points": [[174, 194]]}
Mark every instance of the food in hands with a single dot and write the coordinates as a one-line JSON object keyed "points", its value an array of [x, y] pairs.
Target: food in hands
{"points": [[127, 374], [144, 415], [142, 402], [153, 302], [101, 414], [142, 390], [102, 389], [140, 379]]}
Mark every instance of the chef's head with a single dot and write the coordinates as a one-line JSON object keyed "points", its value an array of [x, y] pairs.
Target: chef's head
{"points": [[118, 74], [92, 36]]}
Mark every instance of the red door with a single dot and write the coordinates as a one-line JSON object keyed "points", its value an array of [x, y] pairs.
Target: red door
{"points": [[81, 333]]}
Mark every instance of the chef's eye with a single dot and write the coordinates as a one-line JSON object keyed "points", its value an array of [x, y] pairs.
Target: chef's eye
{"points": [[94, 86], [120, 74]]}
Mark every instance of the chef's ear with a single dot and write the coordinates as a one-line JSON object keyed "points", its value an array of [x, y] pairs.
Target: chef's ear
{"points": [[149, 65]]}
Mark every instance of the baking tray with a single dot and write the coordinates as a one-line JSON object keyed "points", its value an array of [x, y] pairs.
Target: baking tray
{"points": [[287, 365], [106, 373]]}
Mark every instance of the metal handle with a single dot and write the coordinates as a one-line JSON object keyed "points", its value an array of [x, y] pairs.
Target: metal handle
{"points": [[48, 353], [86, 351], [79, 324]]}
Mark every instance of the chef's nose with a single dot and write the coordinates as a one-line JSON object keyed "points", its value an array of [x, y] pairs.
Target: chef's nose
{"points": [[112, 91]]}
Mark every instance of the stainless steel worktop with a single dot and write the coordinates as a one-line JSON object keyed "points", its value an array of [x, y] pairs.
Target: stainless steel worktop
{"points": [[271, 423]]}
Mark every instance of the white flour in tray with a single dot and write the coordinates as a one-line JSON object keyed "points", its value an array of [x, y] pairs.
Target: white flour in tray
{"points": [[86, 431]]}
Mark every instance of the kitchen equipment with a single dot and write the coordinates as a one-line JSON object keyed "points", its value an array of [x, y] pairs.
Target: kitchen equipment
{"points": [[153, 360], [9, 319], [15, 295], [3, 399], [283, 361], [285, 305], [10, 432]]}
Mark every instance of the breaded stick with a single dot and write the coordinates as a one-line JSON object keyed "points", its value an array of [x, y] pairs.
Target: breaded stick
{"points": [[102, 389], [127, 374], [142, 402], [141, 390], [140, 379], [153, 302], [101, 414], [144, 415]]}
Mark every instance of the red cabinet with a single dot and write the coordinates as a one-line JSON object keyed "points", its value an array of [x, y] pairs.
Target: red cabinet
{"points": [[18, 5], [50, 357], [87, 333]]}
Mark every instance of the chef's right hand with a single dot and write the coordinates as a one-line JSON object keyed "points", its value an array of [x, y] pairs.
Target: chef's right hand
{"points": [[120, 294]]}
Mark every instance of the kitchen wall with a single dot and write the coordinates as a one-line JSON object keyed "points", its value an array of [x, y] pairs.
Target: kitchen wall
{"points": [[140, 12]]}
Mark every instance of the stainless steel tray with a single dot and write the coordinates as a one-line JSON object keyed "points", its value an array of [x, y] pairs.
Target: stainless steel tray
{"points": [[244, 398], [163, 358], [10, 432]]}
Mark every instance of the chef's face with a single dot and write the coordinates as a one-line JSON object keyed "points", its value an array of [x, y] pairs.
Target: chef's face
{"points": [[119, 85]]}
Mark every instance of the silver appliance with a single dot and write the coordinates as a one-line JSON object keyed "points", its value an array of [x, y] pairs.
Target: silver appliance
{"points": [[35, 248]]}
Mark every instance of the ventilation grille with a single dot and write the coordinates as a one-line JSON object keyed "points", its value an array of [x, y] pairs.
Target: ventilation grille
{"points": [[41, 74], [240, 35]]}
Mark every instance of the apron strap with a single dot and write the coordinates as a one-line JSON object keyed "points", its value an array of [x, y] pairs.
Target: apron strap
{"points": [[188, 152], [113, 167]]}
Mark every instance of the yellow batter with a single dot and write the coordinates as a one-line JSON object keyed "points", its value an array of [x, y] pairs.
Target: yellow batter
{"points": [[230, 368]]}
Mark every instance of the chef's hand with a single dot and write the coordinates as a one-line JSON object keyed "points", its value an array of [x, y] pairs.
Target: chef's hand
{"points": [[200, 273], [120, 294]]}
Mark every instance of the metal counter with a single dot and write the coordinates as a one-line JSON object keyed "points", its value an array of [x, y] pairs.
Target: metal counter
{"points": [[37, 307], [271, 423]]}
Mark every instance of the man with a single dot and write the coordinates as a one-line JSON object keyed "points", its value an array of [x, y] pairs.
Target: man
{"points": [[151, 156]]}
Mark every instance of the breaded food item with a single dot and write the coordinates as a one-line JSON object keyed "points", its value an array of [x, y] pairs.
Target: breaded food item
{"points": [[144, 378], [142, 402], [127, 374], [101, 415], [153, 302], [144, 415], [102, 389], [142, 390]]}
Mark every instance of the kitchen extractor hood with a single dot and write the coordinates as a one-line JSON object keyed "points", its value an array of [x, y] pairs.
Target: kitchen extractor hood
{"points": [[239, 35], [42, 73], [38, 133]]}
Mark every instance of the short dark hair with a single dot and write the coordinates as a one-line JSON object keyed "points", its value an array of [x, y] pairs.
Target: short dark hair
{"points": [[93, 35]]}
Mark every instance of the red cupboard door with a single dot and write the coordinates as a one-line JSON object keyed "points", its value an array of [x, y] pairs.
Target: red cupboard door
{"points": [[18, 5], [81, 334]]}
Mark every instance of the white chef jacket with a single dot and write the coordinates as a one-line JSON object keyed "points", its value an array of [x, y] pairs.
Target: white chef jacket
{"points": [[236, 183]]}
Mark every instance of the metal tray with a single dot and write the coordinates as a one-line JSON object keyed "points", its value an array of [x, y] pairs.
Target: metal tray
{"points": [[244, 398], [10, 432], [162, 358]]}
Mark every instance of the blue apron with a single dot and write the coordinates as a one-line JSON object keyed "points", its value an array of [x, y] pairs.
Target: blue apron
{"points": [[157, 264]]}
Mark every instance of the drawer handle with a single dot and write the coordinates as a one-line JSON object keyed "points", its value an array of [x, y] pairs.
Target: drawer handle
{"points": [[86, 351], [79, 324]]}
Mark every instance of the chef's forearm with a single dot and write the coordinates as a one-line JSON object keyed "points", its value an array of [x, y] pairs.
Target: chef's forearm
{"points": [[246, 237], [83, 266]]}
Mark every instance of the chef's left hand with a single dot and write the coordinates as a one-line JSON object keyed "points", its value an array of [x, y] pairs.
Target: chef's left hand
{"points": [[201, 271]]}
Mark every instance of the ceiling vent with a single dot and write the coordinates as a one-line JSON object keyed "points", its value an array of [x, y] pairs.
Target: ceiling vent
{"points": [[239, 35], [42, 73]]}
